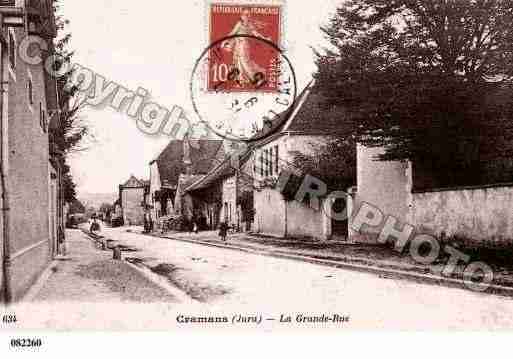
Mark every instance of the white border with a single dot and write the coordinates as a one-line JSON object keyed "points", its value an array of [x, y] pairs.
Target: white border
{"points": [[305, 344]]}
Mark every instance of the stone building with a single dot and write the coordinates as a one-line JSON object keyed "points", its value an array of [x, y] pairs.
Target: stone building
{"points": [[132, 200], [304, 131], [30, 175], [242, 189], [225, 194], [178, 165]]}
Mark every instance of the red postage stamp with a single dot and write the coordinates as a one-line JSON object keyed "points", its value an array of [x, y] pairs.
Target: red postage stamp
{"points": [[242, 59]]}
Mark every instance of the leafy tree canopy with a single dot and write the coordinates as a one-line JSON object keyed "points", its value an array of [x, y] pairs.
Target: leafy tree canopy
{"points": [[68, 130], [76, 207], [427, 80]]}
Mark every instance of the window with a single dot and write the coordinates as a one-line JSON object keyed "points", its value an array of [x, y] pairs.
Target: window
{"points": [[261, 163], [12, 50], [266, 156], [30, 89], [271, 167], [277, 169]]}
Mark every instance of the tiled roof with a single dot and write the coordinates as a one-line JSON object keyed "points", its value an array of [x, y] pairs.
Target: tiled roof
{"points": [[281, 121], [313, 118], [170, 161], [310, 117], [219, 171], [305, 117], [184, 183]]}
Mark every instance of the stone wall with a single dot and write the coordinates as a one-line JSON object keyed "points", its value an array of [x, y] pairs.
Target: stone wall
{"points": [[476, 213], [304, 221], [269, 212], [28, 175], [385, 185]]}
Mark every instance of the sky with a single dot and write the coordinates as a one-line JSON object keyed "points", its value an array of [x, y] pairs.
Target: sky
{"points": [[154, 45]]}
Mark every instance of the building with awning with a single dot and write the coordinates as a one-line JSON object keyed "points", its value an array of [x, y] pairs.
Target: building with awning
{"points": [[178, 164]]}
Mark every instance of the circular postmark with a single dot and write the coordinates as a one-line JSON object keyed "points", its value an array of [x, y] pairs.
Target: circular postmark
{"points": [[243, 87]]}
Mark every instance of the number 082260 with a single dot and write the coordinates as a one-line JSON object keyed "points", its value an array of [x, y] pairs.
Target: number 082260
{"points": [[26, 342]]}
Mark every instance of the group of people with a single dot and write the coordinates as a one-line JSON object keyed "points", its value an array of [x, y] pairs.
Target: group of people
{"points": [[196, 225], [95, 226]]}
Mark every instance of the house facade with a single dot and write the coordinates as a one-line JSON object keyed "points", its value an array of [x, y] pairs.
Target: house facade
{"points": [[275, 215], [32, 225], [132, 199], [225, 194], [305, 130], [175, 168], [243, 192]]}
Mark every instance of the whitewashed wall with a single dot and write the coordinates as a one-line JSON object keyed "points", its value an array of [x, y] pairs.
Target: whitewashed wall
{"points": [[474, 213], [275, 216], [269, 212], [478, 214]]}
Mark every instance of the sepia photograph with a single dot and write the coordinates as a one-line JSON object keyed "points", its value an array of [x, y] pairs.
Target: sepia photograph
{"points": [[255, 166]]}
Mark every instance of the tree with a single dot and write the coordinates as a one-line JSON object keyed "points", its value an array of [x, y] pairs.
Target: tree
{"points": [[70, 131], [430, 81], [68, 186], [76, 207], [334, 163]]}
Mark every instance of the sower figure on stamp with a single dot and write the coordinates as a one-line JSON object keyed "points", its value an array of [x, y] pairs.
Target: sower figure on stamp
{"points": [[240, 46]]}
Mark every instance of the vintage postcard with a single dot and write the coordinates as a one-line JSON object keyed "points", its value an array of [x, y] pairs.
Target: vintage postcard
{"points": [[255, 166]]}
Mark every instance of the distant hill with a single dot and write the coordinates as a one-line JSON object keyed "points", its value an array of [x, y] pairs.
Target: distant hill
{"points": [[96, 199]]}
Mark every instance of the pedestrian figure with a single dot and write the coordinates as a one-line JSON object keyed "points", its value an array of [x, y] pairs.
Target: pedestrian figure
{"points": [[195, 227], [223, 229], [147, 223], [95, 226], [146, 226]]}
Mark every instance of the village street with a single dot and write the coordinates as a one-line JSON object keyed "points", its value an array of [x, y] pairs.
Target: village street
{"points": [[224, 279]]}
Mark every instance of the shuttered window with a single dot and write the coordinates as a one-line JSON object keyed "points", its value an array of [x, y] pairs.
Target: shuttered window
{"points": [[271, 167], [277, 168]]}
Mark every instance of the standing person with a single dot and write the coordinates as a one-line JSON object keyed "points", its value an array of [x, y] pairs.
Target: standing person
{"points": [[95, 226], [223, 229], [146, 224]]}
